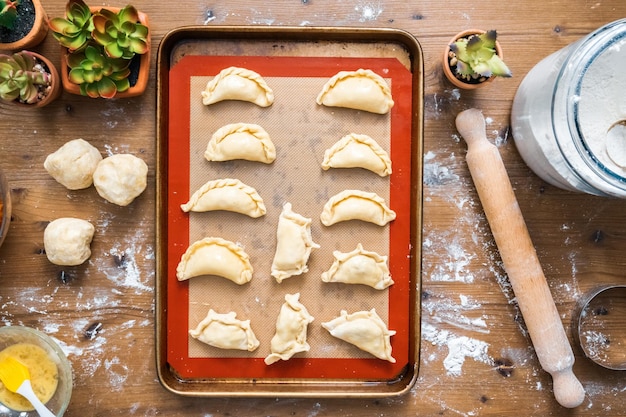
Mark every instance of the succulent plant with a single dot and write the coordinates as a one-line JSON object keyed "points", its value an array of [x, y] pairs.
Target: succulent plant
{"points": [[22, 77], [97, 74], [8, 13], [74, 31], [121, 34], [475, 56], [101, 46]]}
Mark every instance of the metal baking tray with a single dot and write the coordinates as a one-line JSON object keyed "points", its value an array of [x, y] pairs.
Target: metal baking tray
{"points": [[296, 62]]}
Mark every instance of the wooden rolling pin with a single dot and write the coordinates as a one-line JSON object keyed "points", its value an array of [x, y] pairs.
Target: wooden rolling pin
{"points": [[520, 259]]}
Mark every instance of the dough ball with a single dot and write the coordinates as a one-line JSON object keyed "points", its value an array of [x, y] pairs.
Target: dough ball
{"points": [[66, 241], [121, 178], [73, 164]]}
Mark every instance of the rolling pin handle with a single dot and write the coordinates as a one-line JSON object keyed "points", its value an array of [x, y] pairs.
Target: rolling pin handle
{"points": [[568, 390]]}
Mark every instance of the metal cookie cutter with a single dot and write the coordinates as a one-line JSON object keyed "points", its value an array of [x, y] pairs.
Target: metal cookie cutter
{"points": [[600, 326]]}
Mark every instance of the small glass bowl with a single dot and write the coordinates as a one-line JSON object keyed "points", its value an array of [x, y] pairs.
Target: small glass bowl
{"points": [[10, 335], [5, 199]]}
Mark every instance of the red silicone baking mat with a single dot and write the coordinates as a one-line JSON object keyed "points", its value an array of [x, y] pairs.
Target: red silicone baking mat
{"points": [[301, 131]]}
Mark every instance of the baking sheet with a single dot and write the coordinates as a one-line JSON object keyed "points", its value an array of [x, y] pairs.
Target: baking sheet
{"points": [[301, 130]]}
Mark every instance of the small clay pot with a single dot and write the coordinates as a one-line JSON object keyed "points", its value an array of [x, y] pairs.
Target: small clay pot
{"points": [[36, 35], [144, 65], [449, 72], [55, 85]]}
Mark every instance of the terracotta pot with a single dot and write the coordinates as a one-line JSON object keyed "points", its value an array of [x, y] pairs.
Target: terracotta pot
{"points": [[448, 71], [36, 35], [55, 84], [144, 65]]}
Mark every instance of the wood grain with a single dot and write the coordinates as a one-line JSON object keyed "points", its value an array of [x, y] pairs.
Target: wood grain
{"points": [[579, 239]]}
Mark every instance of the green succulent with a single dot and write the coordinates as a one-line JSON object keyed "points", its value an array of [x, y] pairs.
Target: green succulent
{"points": [[74, 31], [97, 74], [21, 77], [101, 45], [8, 13], [475, 56], [121, 34]]}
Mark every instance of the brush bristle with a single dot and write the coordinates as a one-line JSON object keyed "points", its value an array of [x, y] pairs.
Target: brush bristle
{"points": [[13, 373]]}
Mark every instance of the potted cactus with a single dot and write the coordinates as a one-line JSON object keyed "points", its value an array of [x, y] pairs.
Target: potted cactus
{"points": [[28, 78], [23, 24], [106, 50], [474, 57]]}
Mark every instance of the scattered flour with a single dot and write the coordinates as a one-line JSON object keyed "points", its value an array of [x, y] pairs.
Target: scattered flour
{"points": [[454, 261], [442, 310], [369, 10], [128, 274], [448, 257], [459, 348], [118, 373], [257, 17], [435, 173]]}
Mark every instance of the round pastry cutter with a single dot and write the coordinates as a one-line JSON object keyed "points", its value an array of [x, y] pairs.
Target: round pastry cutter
{"points": [[601, 326]]}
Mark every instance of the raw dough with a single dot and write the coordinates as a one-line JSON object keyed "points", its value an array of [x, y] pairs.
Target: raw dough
{"points": [[359, 267], [235, 83], [365, 330], [73, 164], [358, 151], [67, 241], [356, 205], [291, 330], [225, 331], [215, 256], [121, 178], [362, 89], [293, 244], [241, 141], [226, 194]]}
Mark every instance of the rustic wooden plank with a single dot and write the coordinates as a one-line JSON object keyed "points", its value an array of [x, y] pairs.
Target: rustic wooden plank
{"points": [[477, 358]]}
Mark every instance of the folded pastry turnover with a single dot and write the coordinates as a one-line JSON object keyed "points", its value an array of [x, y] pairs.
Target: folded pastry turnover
{"points": [[291, 330], [234, 83], [215, 256], [365, 330], [359, 267], [358, 151], [293, 244], [356, 205], [225, 331], [226, 194], [362, 89], [241, 141]]}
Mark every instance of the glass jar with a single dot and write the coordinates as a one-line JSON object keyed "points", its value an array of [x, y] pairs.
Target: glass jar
{"points": [[569, 115]]}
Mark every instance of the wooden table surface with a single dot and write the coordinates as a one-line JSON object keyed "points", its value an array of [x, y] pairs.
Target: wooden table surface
{"points": [[476, 356]]}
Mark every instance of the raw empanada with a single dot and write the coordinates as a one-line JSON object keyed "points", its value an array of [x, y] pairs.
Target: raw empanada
{"points": [[293, 244], [362, 89], [226, 194], [291, 330], [235, 83], [359, 267], [241, 141], [358, 151], [365, 330], [215, 256], [225, 331], [356, 205]]}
